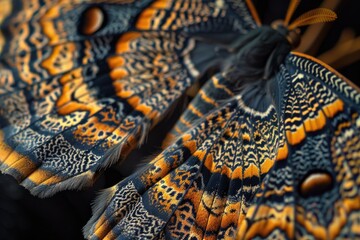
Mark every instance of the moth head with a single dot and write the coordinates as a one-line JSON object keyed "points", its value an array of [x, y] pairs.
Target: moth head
{"points": [[293, 36], [291, 30]]}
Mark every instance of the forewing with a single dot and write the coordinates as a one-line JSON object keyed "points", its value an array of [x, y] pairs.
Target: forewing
{"points": [[313, 190], [72, 103]]}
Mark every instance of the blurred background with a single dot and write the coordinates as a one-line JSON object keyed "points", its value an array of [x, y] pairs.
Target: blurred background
{"points": [[63, 215]]}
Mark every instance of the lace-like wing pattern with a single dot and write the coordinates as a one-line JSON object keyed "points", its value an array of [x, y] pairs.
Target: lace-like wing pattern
{"points": [[269, 148], [250, 163], [82, 82]]}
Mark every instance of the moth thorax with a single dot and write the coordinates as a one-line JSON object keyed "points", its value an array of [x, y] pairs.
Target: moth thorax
{"points": [[292, 36]]}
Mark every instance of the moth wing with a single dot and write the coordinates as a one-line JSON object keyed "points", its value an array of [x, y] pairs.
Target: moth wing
{"points": [[313, 189], [201, 185], [76, 95]]}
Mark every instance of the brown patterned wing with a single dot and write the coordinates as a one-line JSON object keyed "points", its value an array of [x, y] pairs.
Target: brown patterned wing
{"points": [[82, 82]]}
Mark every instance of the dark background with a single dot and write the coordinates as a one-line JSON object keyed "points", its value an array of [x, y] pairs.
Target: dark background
{"points": [[63, 215]]}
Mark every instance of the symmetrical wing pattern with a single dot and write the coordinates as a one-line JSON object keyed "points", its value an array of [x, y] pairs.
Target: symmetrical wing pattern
{"points": [[267, 163], [82, 82]]}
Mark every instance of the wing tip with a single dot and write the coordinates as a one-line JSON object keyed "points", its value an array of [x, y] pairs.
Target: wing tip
{"points": [[4, 169], [44, 190], [98, 207]]}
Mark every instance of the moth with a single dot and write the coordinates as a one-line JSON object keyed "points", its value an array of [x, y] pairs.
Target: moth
{"points": [[266, 148]]}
